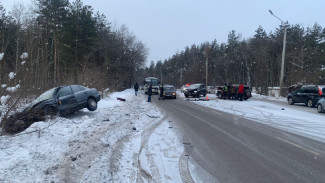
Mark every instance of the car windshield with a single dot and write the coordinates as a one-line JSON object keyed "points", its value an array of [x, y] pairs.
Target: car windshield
{"points": [[153, 82], [169, 88], [194, 86], [46, 95]]}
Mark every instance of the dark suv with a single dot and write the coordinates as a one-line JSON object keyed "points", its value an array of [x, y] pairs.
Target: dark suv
{"points": [[195, 90], [308, 94]]}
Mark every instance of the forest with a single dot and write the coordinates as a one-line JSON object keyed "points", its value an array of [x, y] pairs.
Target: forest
{"points": [[57, 43], [255, 61]]}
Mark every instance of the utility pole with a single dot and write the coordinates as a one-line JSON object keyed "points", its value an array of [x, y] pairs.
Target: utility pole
{"points": [[161, 78], [206, 54], [283, 53], [206, 71]]}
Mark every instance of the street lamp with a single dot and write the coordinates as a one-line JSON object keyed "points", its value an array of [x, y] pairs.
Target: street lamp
{"points": [[283, 51]]}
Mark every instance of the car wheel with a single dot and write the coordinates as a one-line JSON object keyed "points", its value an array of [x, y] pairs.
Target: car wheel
{"points": [[51, 111], [320, 108], [290, 101], [186, 96], [175, 97], [91, 104], [310, 103]]}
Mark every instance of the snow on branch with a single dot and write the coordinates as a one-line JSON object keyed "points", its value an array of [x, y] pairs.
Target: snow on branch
{"points": [[12, 75], [13, 89], [4, 99], [24, 55]]}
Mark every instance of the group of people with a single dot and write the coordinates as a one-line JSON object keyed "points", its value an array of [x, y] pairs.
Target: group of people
{"points": [[231, 92], [161, 97]]}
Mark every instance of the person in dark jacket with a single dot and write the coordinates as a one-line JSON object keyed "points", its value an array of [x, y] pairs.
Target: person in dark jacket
{"points": [[240, 92], [229, 91], [161, 97], [233, 93], [136, 88], [149, 93]]}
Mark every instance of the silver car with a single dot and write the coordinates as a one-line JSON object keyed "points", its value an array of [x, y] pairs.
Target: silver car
{"points": [[184, 88], [211, 89], [320, 105]]}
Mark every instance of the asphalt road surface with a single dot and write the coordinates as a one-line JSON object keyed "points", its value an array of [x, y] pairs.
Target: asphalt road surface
{"points": [[233, 149]]}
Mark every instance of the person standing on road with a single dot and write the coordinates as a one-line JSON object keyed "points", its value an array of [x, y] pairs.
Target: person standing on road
{"points": [[225, 91], [161, 97], [136, 88], [233, 93], [149, 93], [241, 92], [229, 91]]}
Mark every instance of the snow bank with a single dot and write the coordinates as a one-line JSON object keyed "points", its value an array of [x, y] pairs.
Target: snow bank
{"points": [[280, 115], [116, 143]]}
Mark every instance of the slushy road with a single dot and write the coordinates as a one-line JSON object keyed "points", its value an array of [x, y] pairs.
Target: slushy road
{"points": [[234, 149]]}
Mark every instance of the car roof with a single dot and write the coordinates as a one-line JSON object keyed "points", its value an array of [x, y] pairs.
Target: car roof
{"points": [[322, 86]]}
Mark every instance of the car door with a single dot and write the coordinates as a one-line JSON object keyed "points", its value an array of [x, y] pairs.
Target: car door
{"points": [[81, 96], [67, 100], [203, 90], [308, 93], [298, 95]]}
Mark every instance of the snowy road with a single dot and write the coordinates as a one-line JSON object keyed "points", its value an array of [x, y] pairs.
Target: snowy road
{"points": [[251, 141]]}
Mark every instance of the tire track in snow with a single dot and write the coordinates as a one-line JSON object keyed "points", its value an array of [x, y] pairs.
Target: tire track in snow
{"points": [[184, 169], [145, 135]]}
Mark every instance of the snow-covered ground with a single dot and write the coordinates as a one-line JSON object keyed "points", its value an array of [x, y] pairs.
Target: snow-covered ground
{"points": [[129, 141], [281, 115], [119, 142]]}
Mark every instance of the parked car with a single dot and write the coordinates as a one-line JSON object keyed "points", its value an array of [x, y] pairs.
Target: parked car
{"points": [[247, 91], [219, 91], [211, 89], [169, 91], [184, 88], [195, 90], [321, 105], [308, 94]]}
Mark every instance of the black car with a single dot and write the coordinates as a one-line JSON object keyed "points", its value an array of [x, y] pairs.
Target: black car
{"points": [[61, 101], [308, 94], [169, 92], [195, 90], [246, 95]]}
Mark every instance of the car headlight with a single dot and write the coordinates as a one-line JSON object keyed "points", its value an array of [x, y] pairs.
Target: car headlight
{"points": [[195, 91], [174, 93]]}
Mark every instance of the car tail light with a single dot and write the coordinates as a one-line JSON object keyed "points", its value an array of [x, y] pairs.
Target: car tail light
{"points": [[320, 92]]}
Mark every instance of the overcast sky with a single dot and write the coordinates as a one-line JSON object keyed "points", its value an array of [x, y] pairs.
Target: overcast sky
{"points": [[168, 26]]}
